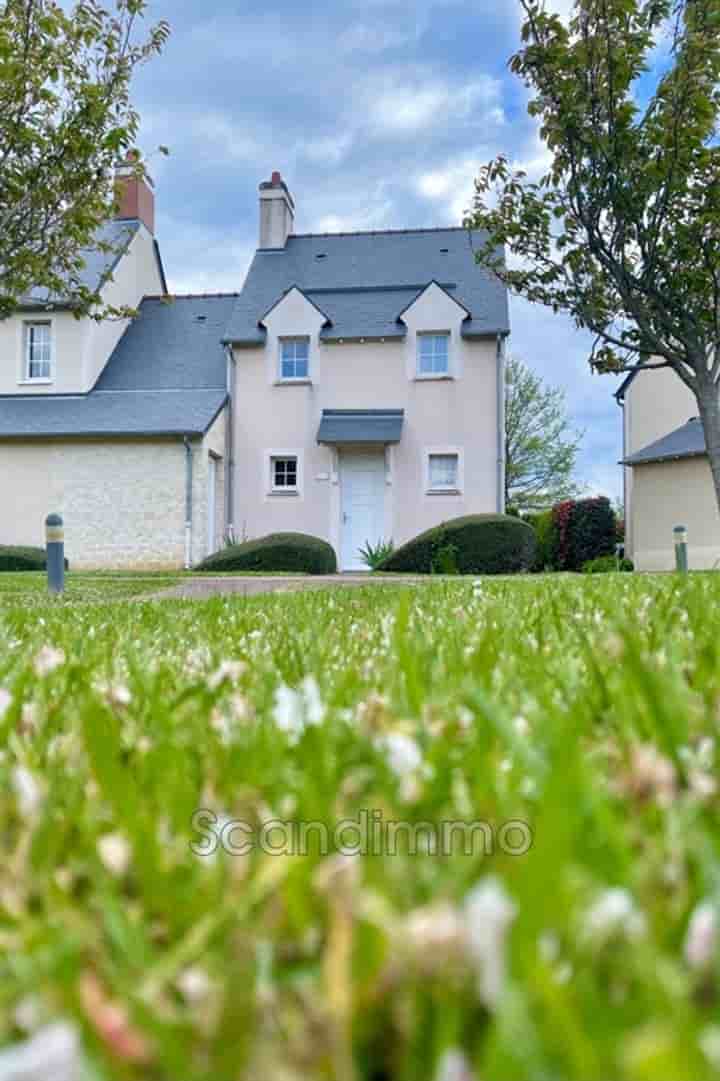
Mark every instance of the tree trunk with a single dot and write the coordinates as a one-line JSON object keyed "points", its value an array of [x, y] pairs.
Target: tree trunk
{"points": [[708, 398]]}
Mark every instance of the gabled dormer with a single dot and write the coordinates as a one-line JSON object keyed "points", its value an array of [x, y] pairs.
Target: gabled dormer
{"points": [[44, 348], [292, 326], [434, 321]]}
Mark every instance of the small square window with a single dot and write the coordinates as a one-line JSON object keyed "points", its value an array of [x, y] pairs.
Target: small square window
{"points": [[284, 474], [294, 358], [433, 354], [38, 351], [443, 472]]}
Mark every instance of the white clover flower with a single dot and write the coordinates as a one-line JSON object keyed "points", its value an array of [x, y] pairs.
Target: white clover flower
{"points": [[5, 701], [314, 708], [614, 915], [47, 660], [701, 939], [454, 1066], [115, 853], [28, 791], [116, 695], [226, 672], [194, 984], [436, 932], [288, 712], [404, 755], [489, 914], [53, 1052]]}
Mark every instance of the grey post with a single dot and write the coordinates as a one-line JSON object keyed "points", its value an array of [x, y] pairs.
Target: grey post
{"points": [[681, 549], [55, 547]]}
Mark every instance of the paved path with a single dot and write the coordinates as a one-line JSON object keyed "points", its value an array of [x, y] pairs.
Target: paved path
{"points": [[202, 588]]}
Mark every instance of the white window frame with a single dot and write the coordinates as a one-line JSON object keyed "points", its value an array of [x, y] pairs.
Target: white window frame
{"points": [[25, 377], [448, 374], [432, 452], [296, 379], [271, 457]]}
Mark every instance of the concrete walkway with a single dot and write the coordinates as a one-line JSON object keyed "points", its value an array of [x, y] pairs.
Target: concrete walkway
{"points": [[201, 588]]}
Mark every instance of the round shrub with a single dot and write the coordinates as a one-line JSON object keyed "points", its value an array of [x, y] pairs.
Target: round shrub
{"points": [[476, 544], [288, 552], [20, 558]]}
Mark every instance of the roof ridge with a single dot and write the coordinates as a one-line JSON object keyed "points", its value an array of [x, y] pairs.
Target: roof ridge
{"points": [[189, 296], [384, 232]]}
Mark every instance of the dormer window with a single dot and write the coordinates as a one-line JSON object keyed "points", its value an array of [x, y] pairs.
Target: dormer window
{"points": [[38, 352], [294, 359], [433, 355]]}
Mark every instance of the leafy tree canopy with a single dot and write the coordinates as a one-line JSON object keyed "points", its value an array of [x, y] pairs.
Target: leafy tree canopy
{"points": [[65, 119]]}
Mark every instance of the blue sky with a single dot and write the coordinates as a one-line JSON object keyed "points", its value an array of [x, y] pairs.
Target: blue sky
{"points": [[378, 113]]}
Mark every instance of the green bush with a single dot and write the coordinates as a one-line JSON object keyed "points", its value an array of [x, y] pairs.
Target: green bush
{"points": [[607, 565], [547, 540], [22, 558], [289, 552], [476, 544]]}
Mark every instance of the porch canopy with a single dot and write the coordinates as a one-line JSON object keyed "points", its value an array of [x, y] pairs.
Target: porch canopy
{"points": [[340, 426]]}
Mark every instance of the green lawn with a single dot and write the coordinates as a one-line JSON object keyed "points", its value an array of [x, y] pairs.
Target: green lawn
{"points": [[28, 589], [584, 710]]}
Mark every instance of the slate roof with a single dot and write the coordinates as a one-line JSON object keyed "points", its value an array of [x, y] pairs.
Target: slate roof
{"points": [[685, 442], [98, 264], [166, 376], [361, 426], [363, 281]]}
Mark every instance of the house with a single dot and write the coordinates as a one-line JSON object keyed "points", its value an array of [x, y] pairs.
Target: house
{"points": [[352, 390], [667, 473]]}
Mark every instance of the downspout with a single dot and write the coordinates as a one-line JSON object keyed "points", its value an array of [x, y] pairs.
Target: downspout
{"points": [[501, 423], [188, 502], [230, 449], [626, 508]]}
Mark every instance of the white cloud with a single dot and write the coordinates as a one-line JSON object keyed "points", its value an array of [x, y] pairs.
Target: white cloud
{"points": [[451, 186], [406, 107], [364, 38]]}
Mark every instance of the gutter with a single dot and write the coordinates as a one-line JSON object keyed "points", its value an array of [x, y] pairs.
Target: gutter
{"points": [[188, 501], [500, 423], [230, 448]]}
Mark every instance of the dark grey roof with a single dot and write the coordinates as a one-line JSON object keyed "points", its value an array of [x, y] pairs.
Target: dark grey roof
{"points": [[174, 343], [98, 264], [111, 413], [364, 281], [361, 426], [685, 442], [166, 376]]}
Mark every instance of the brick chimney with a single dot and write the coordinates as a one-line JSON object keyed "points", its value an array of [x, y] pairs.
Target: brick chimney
{"points": [[277, 212], [135, 194]]}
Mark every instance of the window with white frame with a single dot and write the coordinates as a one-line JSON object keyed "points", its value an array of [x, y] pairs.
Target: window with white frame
{"points": [[38, 351], [284, 474], [294, 358], [443, 472], [433, 354]]}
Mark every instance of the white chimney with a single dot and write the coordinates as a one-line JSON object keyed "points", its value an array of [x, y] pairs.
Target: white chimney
{"points": [[277, 212]]}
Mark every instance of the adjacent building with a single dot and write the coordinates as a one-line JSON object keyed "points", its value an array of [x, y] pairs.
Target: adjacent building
{"points": [[667, 473], [352, 390]]}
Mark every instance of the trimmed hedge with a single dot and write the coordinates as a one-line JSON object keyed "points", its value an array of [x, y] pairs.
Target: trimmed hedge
{"points": [[476, 544], [548, 540], [587, 529], [21, 558], [289, 552], [607, 565]]}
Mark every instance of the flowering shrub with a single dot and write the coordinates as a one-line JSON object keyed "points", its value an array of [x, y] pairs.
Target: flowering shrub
{"points": [[584, 708]]}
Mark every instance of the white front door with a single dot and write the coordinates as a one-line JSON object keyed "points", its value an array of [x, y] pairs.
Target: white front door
{"points": [[362, 503], [212, 504]]}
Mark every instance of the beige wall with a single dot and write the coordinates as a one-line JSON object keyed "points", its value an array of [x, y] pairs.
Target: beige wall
{"points": [[81, 347], [667, 494], [457, 412], [123, 501], [657, 402]]}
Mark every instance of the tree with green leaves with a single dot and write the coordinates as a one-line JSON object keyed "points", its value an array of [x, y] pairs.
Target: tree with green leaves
{"points": [[540, 445], [66, 118], [623, 230]]}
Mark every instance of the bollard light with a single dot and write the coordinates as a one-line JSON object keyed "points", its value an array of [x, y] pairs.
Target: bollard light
{"points": [[55, 549], [680, 537]]}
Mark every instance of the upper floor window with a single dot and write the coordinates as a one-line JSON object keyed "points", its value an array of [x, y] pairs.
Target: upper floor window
{"points": [[295, 358], [433, 354], [38, 351]]}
